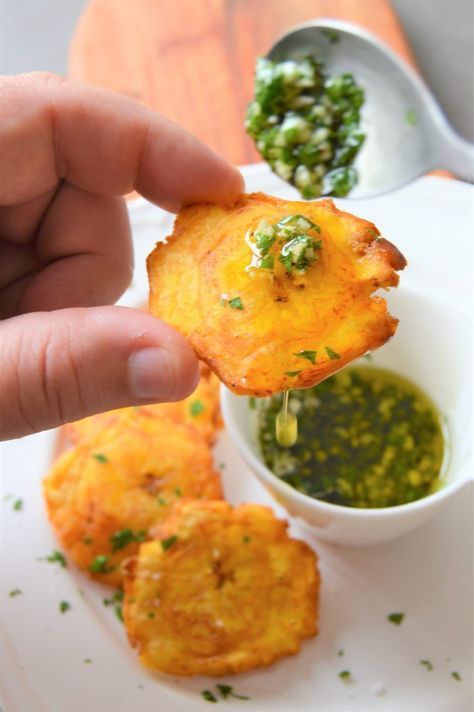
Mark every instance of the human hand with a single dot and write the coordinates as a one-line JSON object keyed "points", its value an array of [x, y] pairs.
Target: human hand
{"points": [[67, 154]]}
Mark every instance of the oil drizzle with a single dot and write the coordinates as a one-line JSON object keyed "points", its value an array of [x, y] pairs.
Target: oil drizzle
{"points": [[286, 425]]}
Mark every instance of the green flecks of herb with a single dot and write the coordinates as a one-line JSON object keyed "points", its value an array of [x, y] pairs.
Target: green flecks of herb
{"points": [[368, 357], [228, 691], [267, 262], [292, 374], [17, 505], [100, 565], [117, 597], [87, 661], [309, 355], [151, 614], [6, 497], [87, 540], [252, 403], [57, 558], [456, 676], [178, 492], [15, 592], [196, 408], [161, 501], [222, 465], [100, 457], [64, 606], [209, 696], [410, 117], [168, 543], [246, 538], [396, 618], [331, 354], [427, 664], [236, 303], [124, 537], [332, 35], [119, 612], [222, 302], [340, 652], [345, 675]]}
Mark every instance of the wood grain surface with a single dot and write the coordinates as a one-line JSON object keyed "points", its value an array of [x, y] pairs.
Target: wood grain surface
{"points": [[193, 60]]}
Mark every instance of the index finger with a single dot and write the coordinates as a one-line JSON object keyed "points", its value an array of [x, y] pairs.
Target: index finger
{"points": [[53, 128]]}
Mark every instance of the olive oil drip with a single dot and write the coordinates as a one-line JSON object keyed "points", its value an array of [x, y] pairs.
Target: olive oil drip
{"points": [[286, 424]]}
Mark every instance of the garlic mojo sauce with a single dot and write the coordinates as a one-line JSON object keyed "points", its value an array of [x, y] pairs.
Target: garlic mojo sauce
{"points": [[367, 437]]}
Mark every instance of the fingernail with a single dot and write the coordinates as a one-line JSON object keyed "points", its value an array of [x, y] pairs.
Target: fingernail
{"points": [[151, 374]]}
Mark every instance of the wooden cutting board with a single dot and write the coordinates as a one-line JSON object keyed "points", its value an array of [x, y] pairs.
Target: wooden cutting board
{"points": [[193, 60]]}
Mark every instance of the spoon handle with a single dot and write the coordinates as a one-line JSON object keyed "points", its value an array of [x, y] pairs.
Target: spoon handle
{"points": [[456, 155]]}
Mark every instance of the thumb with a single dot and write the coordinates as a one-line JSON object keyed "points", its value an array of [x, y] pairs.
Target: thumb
{"points": [[64, 365]]}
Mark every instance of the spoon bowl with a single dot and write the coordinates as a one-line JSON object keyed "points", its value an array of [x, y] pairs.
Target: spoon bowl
{"points": [[406, 132]]}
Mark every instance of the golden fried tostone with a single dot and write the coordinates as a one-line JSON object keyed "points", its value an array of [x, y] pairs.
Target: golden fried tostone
{"points": [[201, 410], [220, 591], [254, 347], [103, 495]]}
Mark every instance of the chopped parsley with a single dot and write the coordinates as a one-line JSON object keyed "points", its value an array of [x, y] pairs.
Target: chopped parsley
{"points": [[64, 606], [209, 696], [331, 34], [236, 303], [151, 614], [167, 543], [161, 501], [124, 537], [178, 492], [331, 354], [17, 505], [410, 117], [309, 355], [252, 403], [87, 540], [117, 597], [292, 374], [306, 124], [427, 664], [246, 538], [100, 565], [228, 691], [100, 457], [15, 592], [87, 660], [57, 558], [340, 652], [196, 408], [288, 240], [119, 612], [345, 675], [456, 676], [396, 618]]}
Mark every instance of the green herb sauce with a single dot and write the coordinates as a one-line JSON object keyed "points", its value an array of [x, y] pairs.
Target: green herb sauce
{"points": [[306, 125], [367, 438]]}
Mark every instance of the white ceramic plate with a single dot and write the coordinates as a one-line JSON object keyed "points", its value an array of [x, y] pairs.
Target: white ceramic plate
{"points": [[427, 575]]}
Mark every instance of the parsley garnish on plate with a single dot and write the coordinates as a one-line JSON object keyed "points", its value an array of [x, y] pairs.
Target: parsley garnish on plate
{"points": [[345, 675], [427, 664], [236, 303], [292, 374], [208, 696], [124, 537], [228, 691], [340, 652], [100, 457], [87, 660], [57, 557], [167, 543], [410, 117], [331, 354], [17, 505], [309, 355], [100, 565], [196, 408], [456, 676], [396, 618], [15, 592], [64, 606]]}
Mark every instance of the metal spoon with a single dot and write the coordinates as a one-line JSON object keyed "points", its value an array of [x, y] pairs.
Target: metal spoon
{"points": [[406, 132]]}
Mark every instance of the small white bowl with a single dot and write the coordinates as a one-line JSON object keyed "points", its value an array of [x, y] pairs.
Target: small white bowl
{"points": [[431, 347]]}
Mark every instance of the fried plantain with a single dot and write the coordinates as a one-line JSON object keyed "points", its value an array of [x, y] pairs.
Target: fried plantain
{"points": [[104, 494], [268, 328], [221, 590]]}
